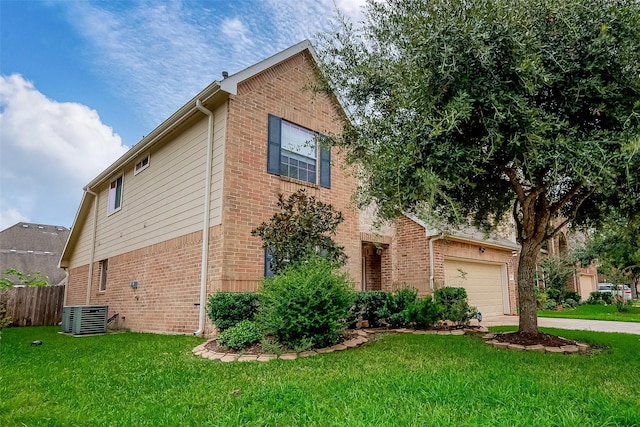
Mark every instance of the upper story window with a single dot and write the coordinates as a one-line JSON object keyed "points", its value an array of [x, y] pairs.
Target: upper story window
{"points": [[115, 195], [141, 164], [293, 152]]}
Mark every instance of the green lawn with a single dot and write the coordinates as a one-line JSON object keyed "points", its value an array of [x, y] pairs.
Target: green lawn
{"points": [[596, 312], [135, 379]]}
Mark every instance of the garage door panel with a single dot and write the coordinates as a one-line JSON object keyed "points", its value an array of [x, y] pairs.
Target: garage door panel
{"points": [[483, 283]]}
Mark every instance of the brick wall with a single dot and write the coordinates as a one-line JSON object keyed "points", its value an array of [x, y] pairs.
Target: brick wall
{"points": [[250, 193], [76, 292]]}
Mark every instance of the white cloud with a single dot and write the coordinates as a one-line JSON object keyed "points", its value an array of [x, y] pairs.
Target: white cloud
{"points": [[50, 150], [11, 217]]}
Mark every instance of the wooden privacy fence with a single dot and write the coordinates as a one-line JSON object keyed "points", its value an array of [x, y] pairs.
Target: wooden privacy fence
{"points": [[33, 306]]}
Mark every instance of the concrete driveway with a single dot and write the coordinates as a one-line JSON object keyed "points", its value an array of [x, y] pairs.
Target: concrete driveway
{"points": [[577, 324]]}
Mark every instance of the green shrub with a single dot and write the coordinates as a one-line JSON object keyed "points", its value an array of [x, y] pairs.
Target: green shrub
{"points": [[455, 305], [551, 304], [240, 336], [226, 309], [424, 312], [394, 311], [367, 306], [306, 305], [569, 303], [595, 298], [541, 299], [553, 294], [571, 295]]}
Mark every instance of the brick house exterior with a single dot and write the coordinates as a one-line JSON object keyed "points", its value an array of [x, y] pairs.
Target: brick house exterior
{"points": [[137, 241], [170, 221]]}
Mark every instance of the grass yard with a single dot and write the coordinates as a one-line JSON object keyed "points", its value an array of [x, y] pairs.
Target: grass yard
{"points": [[134, 379], [596, 312]]}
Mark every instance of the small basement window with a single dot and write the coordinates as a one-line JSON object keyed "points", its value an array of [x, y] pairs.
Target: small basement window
{"points": [[141, 165]]}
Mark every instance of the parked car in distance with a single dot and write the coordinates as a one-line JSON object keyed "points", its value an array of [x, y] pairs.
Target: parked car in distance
{"points": [[620, 290]]}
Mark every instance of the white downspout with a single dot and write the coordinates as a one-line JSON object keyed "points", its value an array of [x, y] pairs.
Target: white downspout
{"points": [[431, 261], [93, 243], [206, 220]]}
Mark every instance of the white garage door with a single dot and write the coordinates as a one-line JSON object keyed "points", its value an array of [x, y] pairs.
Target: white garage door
{"points": [[587, 285], [483, 282]]}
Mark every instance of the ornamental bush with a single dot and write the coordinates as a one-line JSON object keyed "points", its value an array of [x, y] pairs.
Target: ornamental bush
{"points": [[307, 304], [395, 308], [240, 336], [424, 312], [569, 303], [455, 305], [226, 309], [367, 306], [551, 304]]}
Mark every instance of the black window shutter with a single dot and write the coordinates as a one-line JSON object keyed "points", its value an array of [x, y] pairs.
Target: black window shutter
{"points": [[267, 264], [325, 166], [273, 149]]}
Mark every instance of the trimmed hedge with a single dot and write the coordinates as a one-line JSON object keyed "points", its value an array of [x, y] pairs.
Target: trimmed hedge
{"points": [[227, 309]]}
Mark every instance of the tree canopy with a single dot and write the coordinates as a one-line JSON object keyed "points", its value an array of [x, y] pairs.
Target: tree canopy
{"points": [[471, 109]]}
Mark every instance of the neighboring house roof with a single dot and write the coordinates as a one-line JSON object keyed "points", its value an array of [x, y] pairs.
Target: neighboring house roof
{"points": [[471, 235], [215, 92], [31, 248]]}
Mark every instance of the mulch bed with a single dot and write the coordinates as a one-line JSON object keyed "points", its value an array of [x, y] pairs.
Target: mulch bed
{"points": [[533, 339]]}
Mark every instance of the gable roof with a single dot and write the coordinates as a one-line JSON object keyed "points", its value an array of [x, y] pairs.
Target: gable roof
{"points": [[469, 234], [29, 247], [215, 92]]}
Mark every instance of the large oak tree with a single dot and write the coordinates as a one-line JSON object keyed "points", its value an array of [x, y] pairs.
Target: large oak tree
{"points": [[473, 109]]}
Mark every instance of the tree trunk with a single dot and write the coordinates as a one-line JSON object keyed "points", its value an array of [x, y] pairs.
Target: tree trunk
{"points": [[527, 303]]}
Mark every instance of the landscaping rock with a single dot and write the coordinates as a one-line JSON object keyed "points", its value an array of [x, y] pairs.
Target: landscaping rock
{"points": [[517, 347], [307, 353], [582, 348], [339, 347], [489, 336], [229, 358], [428, 332], [457, 332], [212, 355], [569, 349], [351, 343], [267, 357], [248, 358], [444, 332], [496, 344], [554, 350], [325, 350], [288, 356], [537, 347]]}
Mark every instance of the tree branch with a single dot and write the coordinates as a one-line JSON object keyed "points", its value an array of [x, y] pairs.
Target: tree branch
{"points": [[572, 216], [513, 179], [567, 197]]}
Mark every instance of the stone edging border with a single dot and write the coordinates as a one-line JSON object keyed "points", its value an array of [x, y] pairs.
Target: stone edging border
{"points": [[565, 349], [363, 337]]}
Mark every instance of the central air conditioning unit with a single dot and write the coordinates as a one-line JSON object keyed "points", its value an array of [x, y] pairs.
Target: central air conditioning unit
{"points": [[84, 319]]}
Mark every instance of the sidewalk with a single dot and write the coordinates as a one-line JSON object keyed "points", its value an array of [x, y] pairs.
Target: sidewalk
{"points": [[577, 324]]}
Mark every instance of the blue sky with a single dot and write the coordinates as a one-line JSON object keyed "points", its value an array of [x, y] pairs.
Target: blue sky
{"points": [[81, 82]]}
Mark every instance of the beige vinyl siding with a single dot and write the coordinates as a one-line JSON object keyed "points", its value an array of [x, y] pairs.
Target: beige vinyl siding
{"points": [[165, 200], [82, 249]]}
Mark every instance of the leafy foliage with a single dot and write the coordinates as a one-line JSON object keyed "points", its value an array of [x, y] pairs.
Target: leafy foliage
{"points": [[479, 108], [226, 309], [551, 304], [395, 310], [600, 298], [616, 247], [424, 312], [303, 226], [306, 304], [455, 305], [367, 307], [242, 335], [27, 279]]}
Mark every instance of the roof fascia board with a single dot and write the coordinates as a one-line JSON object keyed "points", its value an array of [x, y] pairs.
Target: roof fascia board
{"points": [[461, 237], [230, 84]]}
